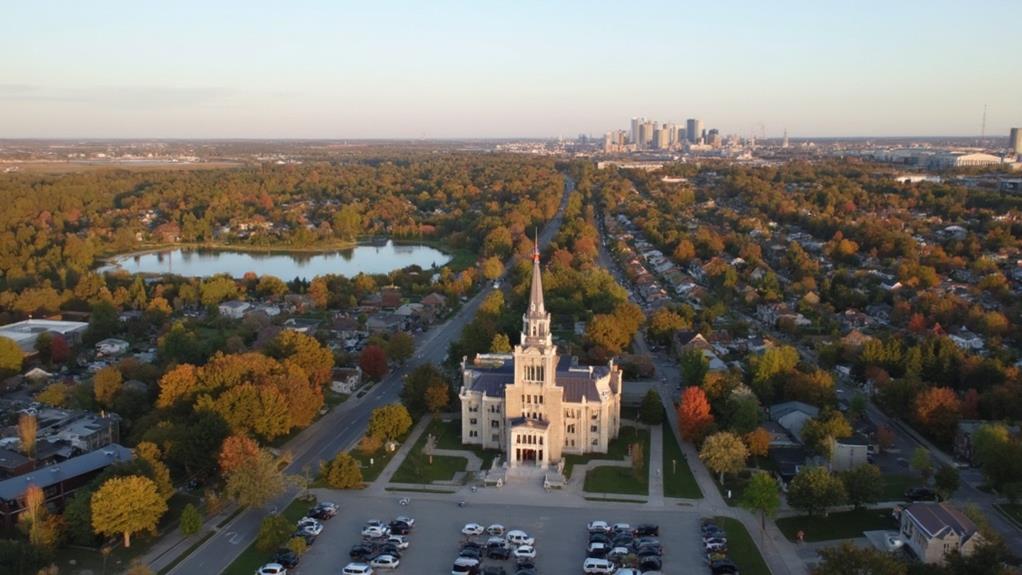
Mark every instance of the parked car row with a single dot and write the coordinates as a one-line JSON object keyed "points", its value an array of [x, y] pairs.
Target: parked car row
{"points": [[620, 549], [715, 545], [381, 546], [485, 558], [308, 528]]}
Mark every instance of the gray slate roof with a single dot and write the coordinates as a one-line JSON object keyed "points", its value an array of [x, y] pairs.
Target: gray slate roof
{"points": [[934, 518], [13, 488]]}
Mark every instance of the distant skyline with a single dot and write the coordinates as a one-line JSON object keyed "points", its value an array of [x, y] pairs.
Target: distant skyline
{"points": [[441, 69]]}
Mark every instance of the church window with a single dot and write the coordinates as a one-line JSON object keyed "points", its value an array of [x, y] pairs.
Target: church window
{"points": [[594, 429], [495, 437], [472, 421], [571, 428]]}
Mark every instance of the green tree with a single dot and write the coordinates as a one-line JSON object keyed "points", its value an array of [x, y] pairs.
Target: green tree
{"points": [[10, 357], [343, 472], [651, 412], [400, 347], [724, 452], [863, 484], [819, 433], [851, 559], [417, 385], [815, 489], [921, 463], [127, 505], [500, 344], [947, 481], [274, 531], [191, 520], [762, 495], [389, 421], [694, 367], [256, 482], [104, 322]]}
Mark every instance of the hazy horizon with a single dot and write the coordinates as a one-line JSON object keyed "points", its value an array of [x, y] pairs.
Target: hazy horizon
{"points": [[458, 71]]}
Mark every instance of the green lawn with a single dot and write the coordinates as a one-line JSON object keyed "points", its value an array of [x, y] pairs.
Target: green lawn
{"points": [[372, 465], [678, 478], [616, 450], [843, 525], [605, 479], [895, 486], [252, 559], [448, 436], [741, 547]]}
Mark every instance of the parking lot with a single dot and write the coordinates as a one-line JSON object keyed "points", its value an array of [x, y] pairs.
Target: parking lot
{"points": [[560, 533]]}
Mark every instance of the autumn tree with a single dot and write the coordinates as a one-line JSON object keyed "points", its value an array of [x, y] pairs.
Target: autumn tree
{"points": [[42, 528], [663, 323], [762, 495], [306, 352], [937, 410], [437, 398], [885, 437], [256, 482], [319, 292], [236, 451], [815, 489], [270, 286], [819, 433], [863, 484], [106, 385], [723, 452], [638, 457], [767, 368], [274, 531], [10, 357], [815, 388], [500, 344], [389, 421], [758, 441], [177, 384], [149, 454], [127, 505], [850, 559], [417, 385], [28, 427], [694, 417], [492, 268], [373, 362], [343, 472], [605, 331]]}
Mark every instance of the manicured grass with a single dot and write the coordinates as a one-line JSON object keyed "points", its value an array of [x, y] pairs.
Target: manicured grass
{"points": [[372, 465], [895, 486], [252, 559], [678, 478], [614, 499], [416, 468], [741, 547], [843, 525], [332, 399], [606, 479], [417, 490], [448, 436], [617, 449]]}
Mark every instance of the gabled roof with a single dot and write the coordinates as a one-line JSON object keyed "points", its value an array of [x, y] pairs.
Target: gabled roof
{"points": [[936, 519]]}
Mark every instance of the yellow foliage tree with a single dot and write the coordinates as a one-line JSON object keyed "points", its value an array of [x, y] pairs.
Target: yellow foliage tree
{"points": [[127, 505]]}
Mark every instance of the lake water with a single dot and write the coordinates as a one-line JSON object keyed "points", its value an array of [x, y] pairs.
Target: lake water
{"points": [[369, 259]]}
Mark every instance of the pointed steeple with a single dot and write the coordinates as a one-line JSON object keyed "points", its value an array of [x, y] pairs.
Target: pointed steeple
{"points": [[536, 293]]}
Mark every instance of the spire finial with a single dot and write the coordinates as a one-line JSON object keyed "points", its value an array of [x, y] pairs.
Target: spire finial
{"points": [[535, 245]]}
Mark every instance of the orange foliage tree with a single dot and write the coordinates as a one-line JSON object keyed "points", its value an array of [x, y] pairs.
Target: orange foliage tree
{"points": [[694, 417], [937, 411]]}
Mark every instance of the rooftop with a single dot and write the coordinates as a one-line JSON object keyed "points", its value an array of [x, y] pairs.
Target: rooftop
{"points": [[12, 489]]}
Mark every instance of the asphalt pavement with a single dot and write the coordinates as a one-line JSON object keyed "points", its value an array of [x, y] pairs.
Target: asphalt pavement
{"points": [[341, 429]]}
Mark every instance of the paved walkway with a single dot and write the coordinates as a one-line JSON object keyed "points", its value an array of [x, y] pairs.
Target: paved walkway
{"points": [[656, 466], [380, 484]]}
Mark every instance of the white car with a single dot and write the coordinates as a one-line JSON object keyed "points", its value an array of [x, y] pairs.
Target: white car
{"points": [[375, 531], [627, 571], [598, 527], [410, 521], [357, 569], [495, 529], [385, 562], [314, 528], [519, 537], [472, 529], [525, 552], [399, 540], [375, 523], [272, 569], [597, 548], [600, 566]]}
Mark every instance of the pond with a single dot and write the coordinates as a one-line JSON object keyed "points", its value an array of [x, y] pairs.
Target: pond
{"points": [[368, 259]]}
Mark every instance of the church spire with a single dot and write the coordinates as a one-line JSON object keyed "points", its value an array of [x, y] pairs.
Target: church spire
{"points": [[536, 320], [536, 294]]}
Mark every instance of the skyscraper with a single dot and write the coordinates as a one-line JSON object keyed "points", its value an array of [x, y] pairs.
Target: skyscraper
{"points": [[784, 143], [1015, 141], [645, 135], [694, 129], [636, 122]]}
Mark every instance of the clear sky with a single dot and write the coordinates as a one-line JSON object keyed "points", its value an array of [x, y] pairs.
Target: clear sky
{"points": [[475, 68]]}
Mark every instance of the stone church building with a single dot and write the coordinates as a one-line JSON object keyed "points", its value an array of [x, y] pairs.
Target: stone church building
{"points": [[535, 405]]}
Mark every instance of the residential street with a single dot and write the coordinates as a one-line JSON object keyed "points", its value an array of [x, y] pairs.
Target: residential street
{"points": [[340, 429]]}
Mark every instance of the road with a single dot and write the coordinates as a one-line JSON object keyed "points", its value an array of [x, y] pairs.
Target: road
{"points": [[342, 427]]}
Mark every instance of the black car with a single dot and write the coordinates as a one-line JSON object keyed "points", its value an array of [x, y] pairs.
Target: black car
{"points": [[650, 563], [653, 549], [622, 541], [471, 553], [921, 494], [501, 553], [388, 549], [308, 537], [471, 545], [322, 513], [361, 552], [286, 557], [399, 528], [494, 570], [525, 563], [723, 567], [647, 530], [525, 572], [599, 538]]}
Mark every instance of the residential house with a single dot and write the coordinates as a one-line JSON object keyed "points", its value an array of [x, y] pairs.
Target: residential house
{"points": [[234, 309], [304, 325], [793, 415], [932, 530], [112, 346], [967, 428], [390, 297], [345, 379], [13, 463], [967, 340], [849, 452], [435, 303]]}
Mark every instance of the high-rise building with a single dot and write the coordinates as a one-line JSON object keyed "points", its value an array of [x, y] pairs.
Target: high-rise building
{"points": [[661, 138], [784, 143], [636, 122], [713, 138], [694, 129], [645, 135], [672, 134], [1015, 141]]}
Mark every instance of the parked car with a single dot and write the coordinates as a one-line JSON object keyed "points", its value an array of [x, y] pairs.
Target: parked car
{"points": [[598, 527], [471, 552], [621, 528], [398, 540], [375, 531], [410, 521], [495, 529], [465, 566], [361, 552], [598, 550], [599, 538], [272, 569], [628, 571], [323, 511], [921, 494], [472, 529], [723, 567], [493, 570], [286, 557], [314, 528], [716, 546], [357, 569], [399, 528], [647, 530], [499, 553], [617, 554], [597, 565], [519, 537], [525, 552], [384, 562], [713, 538], [650, 563]]}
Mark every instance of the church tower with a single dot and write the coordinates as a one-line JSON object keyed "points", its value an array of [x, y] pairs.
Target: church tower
{"points": [[536, 355]]}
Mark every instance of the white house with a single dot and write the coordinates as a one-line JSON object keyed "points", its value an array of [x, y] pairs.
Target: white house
{"points": [[112, 346], [234, 309]]}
